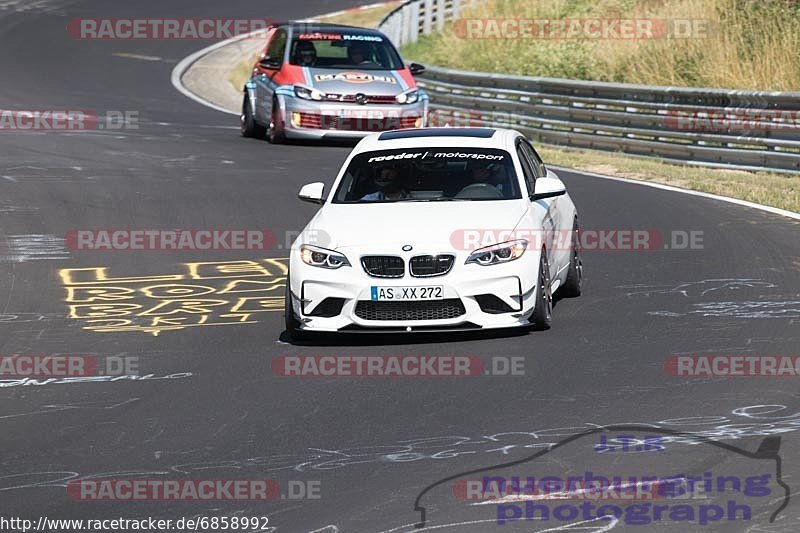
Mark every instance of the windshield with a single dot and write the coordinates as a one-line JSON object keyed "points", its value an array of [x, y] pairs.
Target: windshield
{"points": [[344, 50], [429, 175]]}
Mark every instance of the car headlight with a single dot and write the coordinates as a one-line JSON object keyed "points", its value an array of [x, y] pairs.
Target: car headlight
{"points": [[308, 94], [409, 97], [498, 253], [322, 257]]}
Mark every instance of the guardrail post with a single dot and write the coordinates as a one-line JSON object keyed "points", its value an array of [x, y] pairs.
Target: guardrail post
{"points": [[404, 25], [427, 22], [441, 10], [414, 23], [391, 28]]}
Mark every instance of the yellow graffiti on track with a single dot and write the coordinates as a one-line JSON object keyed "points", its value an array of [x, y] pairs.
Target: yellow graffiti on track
{"points": [[205, 294]]}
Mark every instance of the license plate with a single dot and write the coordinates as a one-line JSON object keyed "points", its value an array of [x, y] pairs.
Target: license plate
{"points": [[381, 294], [368, 114]]}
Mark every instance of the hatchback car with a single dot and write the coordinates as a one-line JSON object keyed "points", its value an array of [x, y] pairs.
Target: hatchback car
{"points": [[322, 81]]}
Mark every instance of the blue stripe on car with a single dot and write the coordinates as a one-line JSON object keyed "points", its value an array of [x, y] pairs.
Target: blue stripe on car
{"points": [[400, 80]]}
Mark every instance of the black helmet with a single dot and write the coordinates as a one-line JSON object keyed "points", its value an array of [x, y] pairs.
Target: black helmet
{"points": [[305, 53]]}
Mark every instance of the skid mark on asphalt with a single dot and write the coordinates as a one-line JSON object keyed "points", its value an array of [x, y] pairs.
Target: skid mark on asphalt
{"points": [[769, 306], [747, 309], [60, 175], [740, 423], [33, 382], [22, 6], [698, 288], [7, 316], [54, 408], [137, 56], [6, 209], [22, 248]]}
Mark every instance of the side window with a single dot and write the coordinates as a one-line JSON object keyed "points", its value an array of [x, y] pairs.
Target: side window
{"points": [[277, 46], [527, 171], [535, 160]]}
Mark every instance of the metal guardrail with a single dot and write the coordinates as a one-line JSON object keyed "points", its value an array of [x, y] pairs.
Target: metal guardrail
{"points": [[749, 130], [408, 21]]}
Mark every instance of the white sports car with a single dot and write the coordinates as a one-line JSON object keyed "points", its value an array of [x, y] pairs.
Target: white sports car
{"points": [[435, 229]]}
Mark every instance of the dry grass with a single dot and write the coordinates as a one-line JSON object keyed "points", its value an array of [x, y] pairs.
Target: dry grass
{"points": [[240, 73], [366, 18], [753, 44], [776, 190]]}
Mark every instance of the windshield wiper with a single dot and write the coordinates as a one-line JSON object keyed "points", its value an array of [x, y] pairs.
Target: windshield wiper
{"points": [[449, 199]]}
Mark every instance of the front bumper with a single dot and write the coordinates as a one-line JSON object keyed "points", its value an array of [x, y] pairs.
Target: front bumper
{"points": [[474, 297], [304, 119]]}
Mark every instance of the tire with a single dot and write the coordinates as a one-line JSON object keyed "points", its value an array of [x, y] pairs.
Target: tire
{"points": [[249, 126], [274, 135], [572, 287], [291, 323], [543, 310]]}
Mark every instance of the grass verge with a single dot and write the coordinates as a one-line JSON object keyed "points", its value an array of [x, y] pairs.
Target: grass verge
{"points": [[735, 44], [776, 190]]}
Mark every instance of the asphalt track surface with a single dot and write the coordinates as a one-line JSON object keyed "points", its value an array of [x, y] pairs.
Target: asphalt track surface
{"points": [[372, 444]]}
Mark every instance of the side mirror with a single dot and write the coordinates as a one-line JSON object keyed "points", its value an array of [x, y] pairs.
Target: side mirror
{"points": [[313, 193], [548, 188], [269, 63], [416, 69]]}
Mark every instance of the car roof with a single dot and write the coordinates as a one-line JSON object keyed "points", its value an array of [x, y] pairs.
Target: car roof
{"points": [[439, 137], [482, 133], [311, 27]]}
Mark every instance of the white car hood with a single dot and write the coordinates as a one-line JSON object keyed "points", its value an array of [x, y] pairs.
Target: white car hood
{"points": [[415, 223]]}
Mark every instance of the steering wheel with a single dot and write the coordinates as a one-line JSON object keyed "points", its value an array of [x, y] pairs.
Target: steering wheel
{"points": [[480, 191]]}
